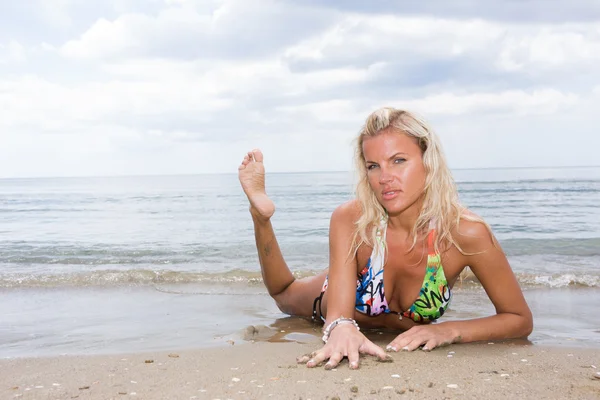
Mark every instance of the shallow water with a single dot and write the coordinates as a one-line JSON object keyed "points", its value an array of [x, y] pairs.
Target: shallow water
{"points": [[137, 319], [93, 265]]}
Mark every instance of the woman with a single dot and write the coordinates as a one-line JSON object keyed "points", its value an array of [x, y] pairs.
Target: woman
{"points": [[406, 220]]}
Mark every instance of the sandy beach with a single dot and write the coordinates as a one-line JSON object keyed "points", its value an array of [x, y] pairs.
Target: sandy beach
{"points": [[263, 370]]}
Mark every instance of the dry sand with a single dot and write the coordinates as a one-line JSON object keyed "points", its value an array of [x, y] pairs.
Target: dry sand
{"points": [[264, 370]]}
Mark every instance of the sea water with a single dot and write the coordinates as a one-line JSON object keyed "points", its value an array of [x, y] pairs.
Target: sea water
{"points": [[119, 264]]}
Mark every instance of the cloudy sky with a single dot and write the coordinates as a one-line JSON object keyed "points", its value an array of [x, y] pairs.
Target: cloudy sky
{"points": [[119, 87]]}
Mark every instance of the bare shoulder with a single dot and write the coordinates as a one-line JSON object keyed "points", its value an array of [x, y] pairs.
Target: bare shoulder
{"points": [[347, 213], [472, 234]]}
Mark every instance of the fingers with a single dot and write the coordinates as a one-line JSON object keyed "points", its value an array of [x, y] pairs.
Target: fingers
{"points": [[353, 358], [398, 343], [415, 338], [430, 345], [317, 359], [374, 350], [414, 344], [334, 360], [407, 341], [303, 359]]}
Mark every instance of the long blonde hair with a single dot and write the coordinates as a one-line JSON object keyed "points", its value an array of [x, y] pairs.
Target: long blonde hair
{"points": [[440, 200]]}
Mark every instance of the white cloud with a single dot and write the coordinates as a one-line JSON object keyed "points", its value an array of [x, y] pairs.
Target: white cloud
{"points": [[227, 29], [198, 82], [106, 38], [515, 102], [397, 37], [552, 47], [12, 52]]}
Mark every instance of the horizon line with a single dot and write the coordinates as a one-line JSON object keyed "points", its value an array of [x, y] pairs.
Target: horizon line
{"points": [[281, 172]]}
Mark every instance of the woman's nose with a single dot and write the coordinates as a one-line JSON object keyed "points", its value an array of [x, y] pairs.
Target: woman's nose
{"points": [[385, 176]]}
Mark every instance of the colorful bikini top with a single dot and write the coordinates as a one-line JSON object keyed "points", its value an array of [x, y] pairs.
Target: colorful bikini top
{"points": [[434, 296]]}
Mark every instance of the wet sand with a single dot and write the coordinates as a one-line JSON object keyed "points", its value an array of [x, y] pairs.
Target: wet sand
{"points": [[263, 370]]}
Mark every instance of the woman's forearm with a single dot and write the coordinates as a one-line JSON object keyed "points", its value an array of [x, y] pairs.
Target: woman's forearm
{"points": [[497, 327]]}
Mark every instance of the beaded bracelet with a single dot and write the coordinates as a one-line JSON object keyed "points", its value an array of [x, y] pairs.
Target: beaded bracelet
{"points": [[339, 321]]}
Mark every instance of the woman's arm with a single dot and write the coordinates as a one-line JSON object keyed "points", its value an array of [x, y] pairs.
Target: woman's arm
{"points": [[513, 318], [345, 340], [342, 264]]}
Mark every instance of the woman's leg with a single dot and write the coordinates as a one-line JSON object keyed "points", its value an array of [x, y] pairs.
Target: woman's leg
{"points": [[293, 296]]}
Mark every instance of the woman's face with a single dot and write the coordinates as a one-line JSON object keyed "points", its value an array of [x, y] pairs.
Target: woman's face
{"points": [[395, 169]]}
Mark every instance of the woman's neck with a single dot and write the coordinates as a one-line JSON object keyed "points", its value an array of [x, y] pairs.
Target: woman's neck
{"points": [[404, 222]]}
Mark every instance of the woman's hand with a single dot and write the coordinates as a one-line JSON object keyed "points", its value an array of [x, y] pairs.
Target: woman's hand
{"points": [[344, 341], [428, 336]]}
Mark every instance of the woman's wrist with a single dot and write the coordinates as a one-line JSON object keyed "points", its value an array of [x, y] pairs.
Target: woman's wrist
{"points": [[455, 332], [339, 321]]}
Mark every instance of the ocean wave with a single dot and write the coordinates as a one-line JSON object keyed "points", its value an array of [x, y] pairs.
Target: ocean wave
{"points": [[559, 280], [22, 253], [552, 281], [146, 277]]}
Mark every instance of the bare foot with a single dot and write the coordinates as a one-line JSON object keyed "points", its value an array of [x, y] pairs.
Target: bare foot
{"points": [[252, 177]]}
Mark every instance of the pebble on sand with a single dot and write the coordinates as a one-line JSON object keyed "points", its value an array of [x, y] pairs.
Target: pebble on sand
{"points": [[173, 355], [452, 386], [395, 376]]}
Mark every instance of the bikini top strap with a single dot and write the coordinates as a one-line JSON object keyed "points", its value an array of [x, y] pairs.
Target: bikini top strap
{"points": [[431, 238]]}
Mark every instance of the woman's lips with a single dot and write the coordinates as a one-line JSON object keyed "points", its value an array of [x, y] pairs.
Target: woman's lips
{"points": [[390, 194]]}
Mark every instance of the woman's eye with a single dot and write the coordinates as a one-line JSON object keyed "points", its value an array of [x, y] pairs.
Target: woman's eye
{"points": [[371, 166], [399, 160]]}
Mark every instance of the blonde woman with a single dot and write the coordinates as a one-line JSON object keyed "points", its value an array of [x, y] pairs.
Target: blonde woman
{"points": [[395, 251]]}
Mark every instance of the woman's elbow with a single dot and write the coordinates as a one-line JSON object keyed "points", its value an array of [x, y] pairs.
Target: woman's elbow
{"points": [[526, 325]]}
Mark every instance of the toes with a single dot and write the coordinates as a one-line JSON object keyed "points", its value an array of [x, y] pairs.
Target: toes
{"points": [[245, 161], [258, 155]]}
